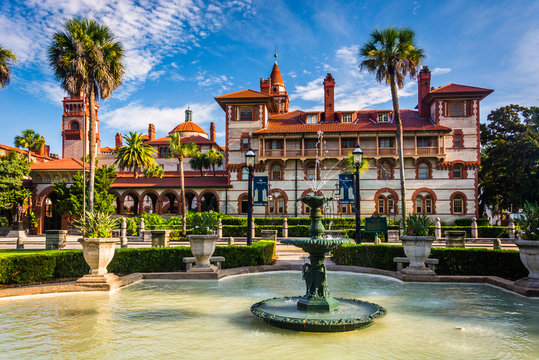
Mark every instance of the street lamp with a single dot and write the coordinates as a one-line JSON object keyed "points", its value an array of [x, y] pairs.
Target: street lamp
{"points": [[250, 162], [358, 159]]}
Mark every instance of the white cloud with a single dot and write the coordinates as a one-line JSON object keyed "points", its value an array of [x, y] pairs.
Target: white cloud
{"points": [[206, 80], [312, 91], [136, 117], [49, 89], [440, 71]]}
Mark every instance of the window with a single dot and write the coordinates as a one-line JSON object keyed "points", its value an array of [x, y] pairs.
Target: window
{"points": [[276, 205], [74, 125], [457, 171], [347, 118], [428, 205], [424, 203], [386, 142], [455, 108], [276, 172], [422, 142], [245, 173], [383, 117], [381, 206], [458, 204], [419, 205], [457, 142], [423, 171], [246, 113], [348, 143], [386, 205], [274, 144], [245, 143], [243, 205], [311, 144], [312, 118], [385, 171], [311, 173]]}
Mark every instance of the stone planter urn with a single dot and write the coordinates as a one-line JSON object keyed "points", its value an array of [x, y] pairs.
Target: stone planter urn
{"points": [[202, 247], [98, 253], [529, 255], [417, 250]]}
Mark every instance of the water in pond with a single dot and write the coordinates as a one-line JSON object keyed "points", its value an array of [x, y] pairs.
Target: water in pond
{"points": [[211, 320]]}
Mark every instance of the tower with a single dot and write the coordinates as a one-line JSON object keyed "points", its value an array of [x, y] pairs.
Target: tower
{"points": [[329, 98], [73, 127], [275, 87]]}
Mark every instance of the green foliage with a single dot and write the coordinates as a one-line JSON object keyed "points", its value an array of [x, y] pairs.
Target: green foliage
{"points": [[154, 171], [4, 222], [468, 222], [69, 197], [204, 223], [418, 225], [29, 140], [452, 261], [509, 171], [32, 220], [13, 169], [7, 59], [135, 154], [31, 267], [132, 225], [97, 225], [348, 166], [529, 221], [215, 159], [199, 161]]}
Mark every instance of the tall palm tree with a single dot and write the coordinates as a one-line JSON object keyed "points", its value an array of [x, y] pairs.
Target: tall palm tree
{"points": [[135, 154], [215, 158], [29, 140], [7, 58], [392, 55], [199, 161], [181, 151], [87, 60]]}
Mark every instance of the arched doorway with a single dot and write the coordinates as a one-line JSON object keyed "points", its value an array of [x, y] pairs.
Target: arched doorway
{"points": [[209, 201], [130, 204], [191, 201], [170, 203], [51, 219], [149, 202]]}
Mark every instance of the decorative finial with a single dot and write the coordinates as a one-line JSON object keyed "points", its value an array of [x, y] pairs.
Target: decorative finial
{"points": [[275, 56]]}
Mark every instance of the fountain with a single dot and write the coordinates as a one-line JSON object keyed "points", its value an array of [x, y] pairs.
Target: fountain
{"points": [[317, 310]]}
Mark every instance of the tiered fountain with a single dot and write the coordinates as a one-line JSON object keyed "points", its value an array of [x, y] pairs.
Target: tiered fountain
{"points": [[317, 310]]}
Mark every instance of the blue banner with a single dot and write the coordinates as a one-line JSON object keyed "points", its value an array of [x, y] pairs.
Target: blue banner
{"points": [[260, 191], [346, 189]]}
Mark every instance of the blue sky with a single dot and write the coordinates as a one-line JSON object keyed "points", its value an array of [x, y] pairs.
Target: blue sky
{"points": [[183, 52]]}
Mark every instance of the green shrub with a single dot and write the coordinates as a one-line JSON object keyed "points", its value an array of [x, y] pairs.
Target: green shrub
{"points": [[23, 269], [468, 222], [132, 225], [452, 261], [493, 231], [232, 220]]}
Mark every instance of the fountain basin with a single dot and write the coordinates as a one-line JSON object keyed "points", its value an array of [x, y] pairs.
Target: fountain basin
{"points": [[352, 314]]}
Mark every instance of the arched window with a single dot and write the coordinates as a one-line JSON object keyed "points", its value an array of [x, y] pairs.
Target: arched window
{"points": [[423, 171], [386, 201], [424, 202], [458, 203], [243, 204], [385, 171], [276, 204], [276, 172], [74, 125]]}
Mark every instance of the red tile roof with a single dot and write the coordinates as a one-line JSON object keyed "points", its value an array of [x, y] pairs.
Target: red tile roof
{"points": [[291, 123], [456, 88], [38, 158], [276, 78], [188, 126], [106, 149], [171, 182], [199, 140], [242, 94], [62, 164], [247, 96]]}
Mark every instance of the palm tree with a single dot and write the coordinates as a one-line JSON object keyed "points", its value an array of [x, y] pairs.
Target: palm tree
{"points": [[216, 159], [199, 161], [181, 151], [135, 154], [87, 60], [7, 58], [154, 171], [29, 140], [392, 55]]}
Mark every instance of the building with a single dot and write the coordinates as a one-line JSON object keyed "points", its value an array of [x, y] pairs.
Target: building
{"points": [[301, 150]]}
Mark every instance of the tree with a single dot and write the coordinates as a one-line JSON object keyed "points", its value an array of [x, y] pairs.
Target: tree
{"points": [[392, 55], [509, 172], [199, 161], [13, 169], [69, 196], [87, 61], [181, 151], [215, 158], [135, 154], [154, 171], [7, 59], [30, 140]]}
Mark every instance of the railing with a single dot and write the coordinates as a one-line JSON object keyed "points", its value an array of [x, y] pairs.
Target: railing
{"points": [[343, 152], [73, 134]]}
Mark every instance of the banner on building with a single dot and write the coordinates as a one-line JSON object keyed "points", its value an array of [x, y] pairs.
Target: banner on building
{"points": [[260, 191], [346, 189]]}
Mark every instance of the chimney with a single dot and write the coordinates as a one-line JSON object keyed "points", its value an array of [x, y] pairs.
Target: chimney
{"points": [[118, 139], [151, 132], [329, 98], [212, 131], [47, 151], [41, 151], [188, 114], [423, 88], [265, 86]]}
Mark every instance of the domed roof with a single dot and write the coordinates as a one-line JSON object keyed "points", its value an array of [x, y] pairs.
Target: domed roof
{"points": [[188, 126]]}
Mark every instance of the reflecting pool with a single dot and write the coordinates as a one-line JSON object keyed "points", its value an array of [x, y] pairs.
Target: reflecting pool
{"points": [[211, 320]]}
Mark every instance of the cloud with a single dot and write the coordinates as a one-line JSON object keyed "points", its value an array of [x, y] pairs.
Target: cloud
{"points": [[440, 71], [136, 117], [49, 89], [312, 91], [148, 30], [205, 80], [292, 74]]}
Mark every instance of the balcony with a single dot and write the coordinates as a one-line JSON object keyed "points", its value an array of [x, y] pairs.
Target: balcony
{"points": [[73, 134]]}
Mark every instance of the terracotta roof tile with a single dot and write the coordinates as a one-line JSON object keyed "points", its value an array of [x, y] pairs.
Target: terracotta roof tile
{"points": [[171, 182], [247, 93], [276, 78], [199, 140], [62, 164], [188, 126], [456, 88], [106, 149]]}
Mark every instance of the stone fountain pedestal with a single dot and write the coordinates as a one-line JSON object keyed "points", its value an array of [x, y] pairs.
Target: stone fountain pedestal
{"points": [[98, 253], [202, 248]]}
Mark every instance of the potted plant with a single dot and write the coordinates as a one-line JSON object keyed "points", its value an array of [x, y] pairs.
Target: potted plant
{"points": [[32, 222], [98, 245], [528, 246], [202, 239], [417, 244]]}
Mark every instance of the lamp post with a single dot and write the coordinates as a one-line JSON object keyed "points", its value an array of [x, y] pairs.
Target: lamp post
{"points": [[250, 162], [358, 159]]}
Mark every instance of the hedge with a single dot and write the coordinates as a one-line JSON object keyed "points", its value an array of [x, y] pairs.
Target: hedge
{"points": [[468, 222], [43, 265], [452, 261]]}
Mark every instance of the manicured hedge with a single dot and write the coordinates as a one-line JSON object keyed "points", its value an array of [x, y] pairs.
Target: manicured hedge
{"points": [[468, 222], [43, 265], [452, 261]]}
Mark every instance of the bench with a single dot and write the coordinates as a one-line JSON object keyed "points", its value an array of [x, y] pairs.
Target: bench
{"points": [[431, 263], [217, 260]]}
